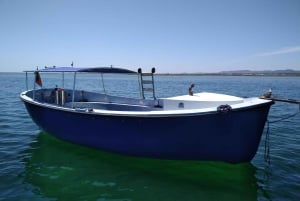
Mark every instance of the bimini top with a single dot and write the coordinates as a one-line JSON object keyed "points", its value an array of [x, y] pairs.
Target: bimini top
{"points": [[86, 70]]}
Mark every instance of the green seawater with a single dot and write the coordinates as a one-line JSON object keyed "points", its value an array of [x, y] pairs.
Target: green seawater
{"points": [[72, 172]]}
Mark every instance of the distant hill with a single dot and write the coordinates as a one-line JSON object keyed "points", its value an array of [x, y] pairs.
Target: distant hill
{"points": [[287, 72]]}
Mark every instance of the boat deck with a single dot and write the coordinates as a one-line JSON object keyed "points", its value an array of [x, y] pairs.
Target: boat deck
{"points": [[103, 103]]}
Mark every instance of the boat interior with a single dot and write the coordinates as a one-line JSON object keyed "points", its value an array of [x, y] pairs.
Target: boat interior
{"points": [[84, 100]]}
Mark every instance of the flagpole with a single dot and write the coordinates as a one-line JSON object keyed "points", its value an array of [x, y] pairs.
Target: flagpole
{"points": [[26, 80]]}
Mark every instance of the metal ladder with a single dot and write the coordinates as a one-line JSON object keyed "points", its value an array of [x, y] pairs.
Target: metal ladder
{"points": [[147, 83]]}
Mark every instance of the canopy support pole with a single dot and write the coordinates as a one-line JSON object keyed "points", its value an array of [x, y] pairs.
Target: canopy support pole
{"points": [[103, 83], [63, 80], [73, 94]]}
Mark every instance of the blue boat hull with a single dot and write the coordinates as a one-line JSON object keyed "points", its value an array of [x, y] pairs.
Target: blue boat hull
{"points": [[231, 137]]}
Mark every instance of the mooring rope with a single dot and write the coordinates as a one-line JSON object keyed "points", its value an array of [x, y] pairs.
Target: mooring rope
{"points": [[267, 144], [287, 117], [267, 137]]}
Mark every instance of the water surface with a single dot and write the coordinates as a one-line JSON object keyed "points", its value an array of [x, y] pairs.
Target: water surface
{"points": [[37, 166]]}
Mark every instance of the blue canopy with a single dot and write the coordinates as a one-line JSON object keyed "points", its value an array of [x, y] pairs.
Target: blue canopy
{"points": [[87, 70]]}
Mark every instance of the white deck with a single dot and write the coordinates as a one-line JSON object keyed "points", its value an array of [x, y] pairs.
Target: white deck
{"points": [[199, 100]]}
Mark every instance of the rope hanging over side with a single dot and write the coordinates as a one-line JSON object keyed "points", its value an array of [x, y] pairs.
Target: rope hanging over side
{"points": [[287, 117], [267, 137], [267, 144]]}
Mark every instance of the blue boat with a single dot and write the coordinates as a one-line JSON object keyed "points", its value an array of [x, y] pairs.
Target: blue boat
{"points": [[195, 126]]}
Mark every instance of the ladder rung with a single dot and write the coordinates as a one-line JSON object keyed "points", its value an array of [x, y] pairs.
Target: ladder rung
{"points": [[147, 82], [147, 74], [148, 89]]}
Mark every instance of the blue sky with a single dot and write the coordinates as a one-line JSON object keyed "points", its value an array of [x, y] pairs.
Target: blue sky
{"points": [[173, 35]]}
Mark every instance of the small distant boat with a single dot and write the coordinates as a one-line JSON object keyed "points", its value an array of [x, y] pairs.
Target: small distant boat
{"points": [[195, 126]]}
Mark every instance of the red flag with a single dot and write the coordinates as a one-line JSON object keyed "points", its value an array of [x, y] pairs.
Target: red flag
{"points": [[38, 79]]}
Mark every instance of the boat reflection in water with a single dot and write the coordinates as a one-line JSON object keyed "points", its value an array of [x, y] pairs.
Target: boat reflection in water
{"points": [[64, 171]]}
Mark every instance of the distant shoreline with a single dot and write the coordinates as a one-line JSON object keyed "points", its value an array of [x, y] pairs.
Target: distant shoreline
{"points": [[268, 73], [233, 74]]}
